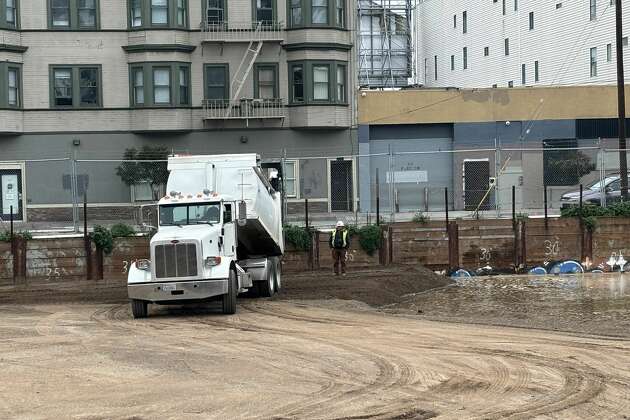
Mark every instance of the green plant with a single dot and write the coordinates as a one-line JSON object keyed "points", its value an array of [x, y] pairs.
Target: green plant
{"points": [[134, 171], [421, 218], [103, 239], [299, 236], [5, 236], [370, 238], [521, 216], [121, 230], [589, 222]]}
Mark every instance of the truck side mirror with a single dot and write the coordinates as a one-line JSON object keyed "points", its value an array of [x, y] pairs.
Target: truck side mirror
{"points": [[242, 213]]}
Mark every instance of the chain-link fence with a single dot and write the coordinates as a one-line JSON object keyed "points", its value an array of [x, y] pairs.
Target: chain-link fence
{"points": [[387, 185]]}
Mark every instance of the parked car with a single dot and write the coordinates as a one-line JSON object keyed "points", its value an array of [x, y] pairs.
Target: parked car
{"points": [[592, 194]]}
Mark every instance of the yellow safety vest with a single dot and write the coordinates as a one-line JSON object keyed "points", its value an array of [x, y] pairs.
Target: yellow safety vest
{"points": [[344, 238]]}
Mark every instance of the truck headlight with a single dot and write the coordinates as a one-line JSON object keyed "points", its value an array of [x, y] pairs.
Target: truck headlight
{"points": [[143, 265], [212, 261]]}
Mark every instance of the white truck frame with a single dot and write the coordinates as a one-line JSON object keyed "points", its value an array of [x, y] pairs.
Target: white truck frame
{"points": [[219, 234]]}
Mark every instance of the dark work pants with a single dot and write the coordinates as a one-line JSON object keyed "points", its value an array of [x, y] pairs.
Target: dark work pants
{"points": [[339, 257]]}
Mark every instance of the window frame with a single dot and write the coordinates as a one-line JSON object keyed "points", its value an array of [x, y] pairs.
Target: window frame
{"points": [[465, 22], [464, 58], [5, 67], [73, 16], [306, 7], [274, 12], [531, 21], [4, 24], [609, 53], [204, 11], [506, 47], [75, 87], [593, 10], [309, 85], [226, 88], [170, 85], [536, 71], [523, 74], [146, 16], [295, 179], [343, 100], [147, 68], [276, 87], [593, 61], [452, 62]]}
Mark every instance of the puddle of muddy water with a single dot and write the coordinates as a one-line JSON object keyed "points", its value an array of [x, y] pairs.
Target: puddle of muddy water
{"points": [[589, 303]]}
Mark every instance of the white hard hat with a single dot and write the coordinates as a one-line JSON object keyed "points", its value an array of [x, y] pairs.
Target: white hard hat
{"points": [[340, 224]]}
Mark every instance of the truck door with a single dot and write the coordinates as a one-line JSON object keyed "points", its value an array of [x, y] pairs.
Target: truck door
{"points": [[229, 230]]}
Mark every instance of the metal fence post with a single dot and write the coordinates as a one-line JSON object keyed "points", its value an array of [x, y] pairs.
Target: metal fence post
{"points": [[378, 200], [545, 201], [11, 221], [392, 185], [446, 205], [75, 193], [497, 173], [306, 213]]}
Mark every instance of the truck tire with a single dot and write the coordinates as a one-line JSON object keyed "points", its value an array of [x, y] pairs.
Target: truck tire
{"points": [[139, 308], [267, 288], [229, 299], [278, 270]]}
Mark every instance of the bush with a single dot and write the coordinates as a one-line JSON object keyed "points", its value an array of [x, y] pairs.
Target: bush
{"points": [[521, 216], [421, 218], [103, 239], [370, 238], [5, 236], [298, 236], [589, 222], [122, 230]]}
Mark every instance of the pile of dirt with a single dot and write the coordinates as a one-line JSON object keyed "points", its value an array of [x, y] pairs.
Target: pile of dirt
{"points": [[376, 287]]}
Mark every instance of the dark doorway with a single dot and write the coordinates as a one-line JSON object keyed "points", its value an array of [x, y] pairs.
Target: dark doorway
{"points": [[476, 185], [341, 187], [11, 194]]}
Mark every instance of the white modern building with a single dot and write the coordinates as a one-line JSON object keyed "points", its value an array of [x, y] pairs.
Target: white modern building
{"points": [[504, 43]]}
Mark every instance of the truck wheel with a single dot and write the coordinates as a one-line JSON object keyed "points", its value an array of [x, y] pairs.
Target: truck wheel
{"points": [[267, 288], [229, 299], [139, 308], [278, 270]]}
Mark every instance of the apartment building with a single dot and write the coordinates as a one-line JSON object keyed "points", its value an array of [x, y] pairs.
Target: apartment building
{"points": [[88, 79], [512, 43]]}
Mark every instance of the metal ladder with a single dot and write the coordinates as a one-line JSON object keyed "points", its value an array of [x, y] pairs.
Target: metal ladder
{"points": [[245, 67]]}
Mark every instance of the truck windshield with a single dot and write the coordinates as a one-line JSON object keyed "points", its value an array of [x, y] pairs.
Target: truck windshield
{"points": [[182, 214]]}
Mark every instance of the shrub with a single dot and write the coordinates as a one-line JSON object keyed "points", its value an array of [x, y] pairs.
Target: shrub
{"points": [[421, 218], [122, 230], [5, 236], [589, 222], [370, 238], [521, 216], [298, 236], [103, 239]]}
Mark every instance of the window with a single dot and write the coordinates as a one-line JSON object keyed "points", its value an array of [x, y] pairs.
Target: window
{"points": [[11, 15], [523, 75], [215, 11], [464, 22], [321, 76], [454, 21], [624, 41], [182, 13], [340, 13], [318, 82], [319, 11], [435, 69], [217, 77], [297, 82], [609, 52], [159, 84], [511, 84], [266, 81], [184, 85], [75, 86], [452, 62], [465, 57], [296, 13], [594, 62], [290, 177], [159, 12], [10, 75], [72, 14], [486, 51], [264, 11], [503, 5], [558, 5], [506, 46], [531, 21], [593, 9], [136, 13], [515, 5], [138, 85], [341, 84], [536, 72]]}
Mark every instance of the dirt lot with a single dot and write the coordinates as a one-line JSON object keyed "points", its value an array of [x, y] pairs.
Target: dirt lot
{"points": [[286, 358]]}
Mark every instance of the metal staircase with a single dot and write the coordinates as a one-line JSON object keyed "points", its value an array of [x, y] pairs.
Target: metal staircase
{"points": [[245, 67]]}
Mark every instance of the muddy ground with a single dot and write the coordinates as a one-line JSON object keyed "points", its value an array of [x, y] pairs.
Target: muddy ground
{"points": [[308, 353]]}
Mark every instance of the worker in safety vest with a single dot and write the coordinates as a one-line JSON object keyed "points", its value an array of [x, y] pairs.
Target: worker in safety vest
{"points": [[339, 243]]}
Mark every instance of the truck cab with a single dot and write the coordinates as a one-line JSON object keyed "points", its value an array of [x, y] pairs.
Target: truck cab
{"points": [[210, 246]]}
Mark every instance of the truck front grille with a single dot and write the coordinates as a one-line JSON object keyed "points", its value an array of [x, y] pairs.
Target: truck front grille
{"points": [[175, 260]]}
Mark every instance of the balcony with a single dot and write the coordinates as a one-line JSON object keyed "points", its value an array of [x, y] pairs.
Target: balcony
{"points": [[242, 31], [244, 109]]}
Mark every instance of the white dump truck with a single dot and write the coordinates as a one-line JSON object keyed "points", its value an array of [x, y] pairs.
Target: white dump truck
{"points": [[219, 234]]}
